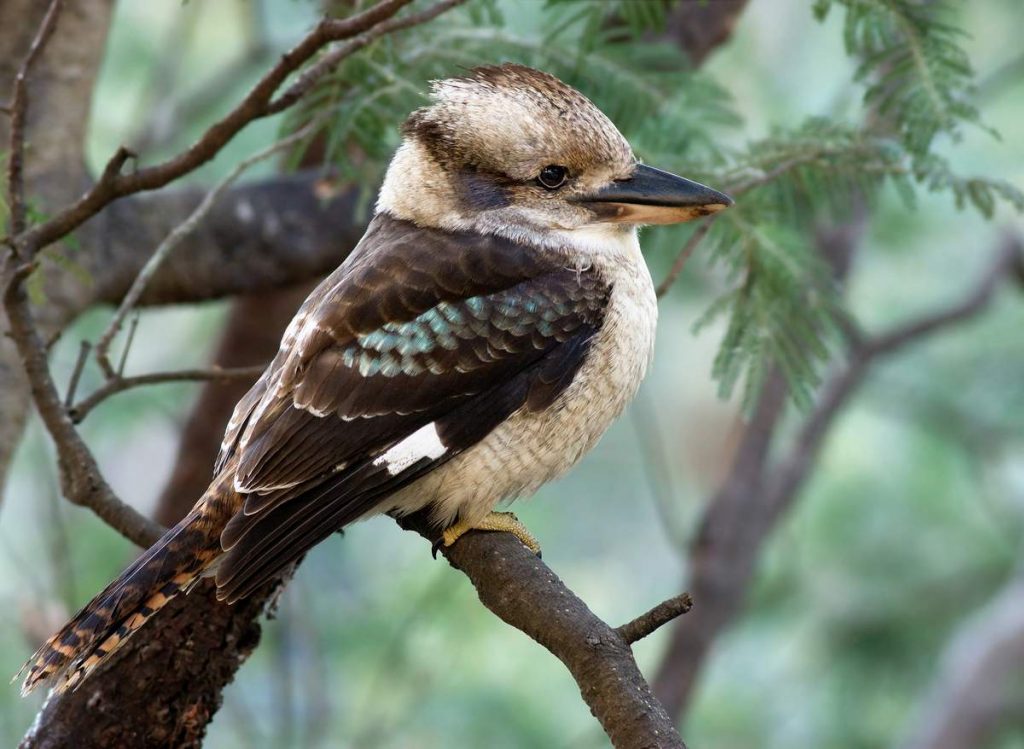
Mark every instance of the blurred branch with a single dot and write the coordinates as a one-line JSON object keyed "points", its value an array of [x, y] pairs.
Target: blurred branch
{"points": [[744, 511], [972, 695], [18, 111], [165, 110], [259, 236], [700, 27], [308, 79], [523, 592]]}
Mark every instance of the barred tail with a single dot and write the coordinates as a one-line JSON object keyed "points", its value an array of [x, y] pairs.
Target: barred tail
{"points": [[171, 565]]}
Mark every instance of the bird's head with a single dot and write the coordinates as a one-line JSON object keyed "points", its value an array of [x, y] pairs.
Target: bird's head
{"points": [[515, 150]]}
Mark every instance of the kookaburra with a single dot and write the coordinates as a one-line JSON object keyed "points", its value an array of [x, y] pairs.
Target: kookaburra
{"points": [[493, 321]]}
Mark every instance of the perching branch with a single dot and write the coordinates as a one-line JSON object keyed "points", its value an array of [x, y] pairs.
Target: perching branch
{"points": [[523, 592]]}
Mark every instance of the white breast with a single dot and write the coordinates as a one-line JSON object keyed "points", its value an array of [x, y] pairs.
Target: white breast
{"points": [[531, 448]]}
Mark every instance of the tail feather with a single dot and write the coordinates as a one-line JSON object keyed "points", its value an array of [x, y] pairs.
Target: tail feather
{"points": [[170, 566]]}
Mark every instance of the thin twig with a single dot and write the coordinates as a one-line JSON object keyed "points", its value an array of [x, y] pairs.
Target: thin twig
{"points": [[332, 59], [684, 254], [660, 615], [118, 384], [735, 191], [179, 234], [76, 375], [133, 328], [19, 114]]}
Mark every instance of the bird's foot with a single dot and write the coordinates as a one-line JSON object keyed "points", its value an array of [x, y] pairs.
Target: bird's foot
{"points": [[495, 521]]}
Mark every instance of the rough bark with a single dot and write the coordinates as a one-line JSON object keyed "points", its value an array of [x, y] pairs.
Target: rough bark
{"points": [[165, 689]]}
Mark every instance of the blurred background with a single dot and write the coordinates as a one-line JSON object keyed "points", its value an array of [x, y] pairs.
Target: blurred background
{"points": [[892, 572]]}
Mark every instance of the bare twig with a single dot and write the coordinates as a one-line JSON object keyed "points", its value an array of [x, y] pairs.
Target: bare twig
{"points": [[76, 374], [118, 384], [133, 328], [179, 234], [19, 114], [684, 254], [735, 191], [649, 622]]}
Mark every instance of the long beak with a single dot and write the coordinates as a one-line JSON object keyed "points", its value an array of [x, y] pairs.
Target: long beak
{"points": [[651, 196]]}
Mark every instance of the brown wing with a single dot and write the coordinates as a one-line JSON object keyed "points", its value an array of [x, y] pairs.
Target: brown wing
{"points": [[420, 330]]}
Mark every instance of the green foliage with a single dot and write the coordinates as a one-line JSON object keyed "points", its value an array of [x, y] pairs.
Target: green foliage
{"points": [[919, 79], [781, 304]]}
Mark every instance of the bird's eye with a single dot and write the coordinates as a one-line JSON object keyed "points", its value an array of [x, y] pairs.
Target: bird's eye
{"points": [[552, 176]]}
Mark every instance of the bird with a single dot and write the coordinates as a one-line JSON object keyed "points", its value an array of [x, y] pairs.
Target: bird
{"points": [[493, 321]]}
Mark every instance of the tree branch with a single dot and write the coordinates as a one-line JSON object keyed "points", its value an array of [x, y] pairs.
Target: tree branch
{"points": [[332, 59], [359, 29], [524, 593], [80, 478]]}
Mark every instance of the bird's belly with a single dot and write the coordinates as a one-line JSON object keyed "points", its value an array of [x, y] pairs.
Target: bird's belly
{"points": [[534, 447]]}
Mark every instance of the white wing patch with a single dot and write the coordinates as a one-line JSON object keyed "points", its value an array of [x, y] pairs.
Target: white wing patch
{"points": [[423, 443]]}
